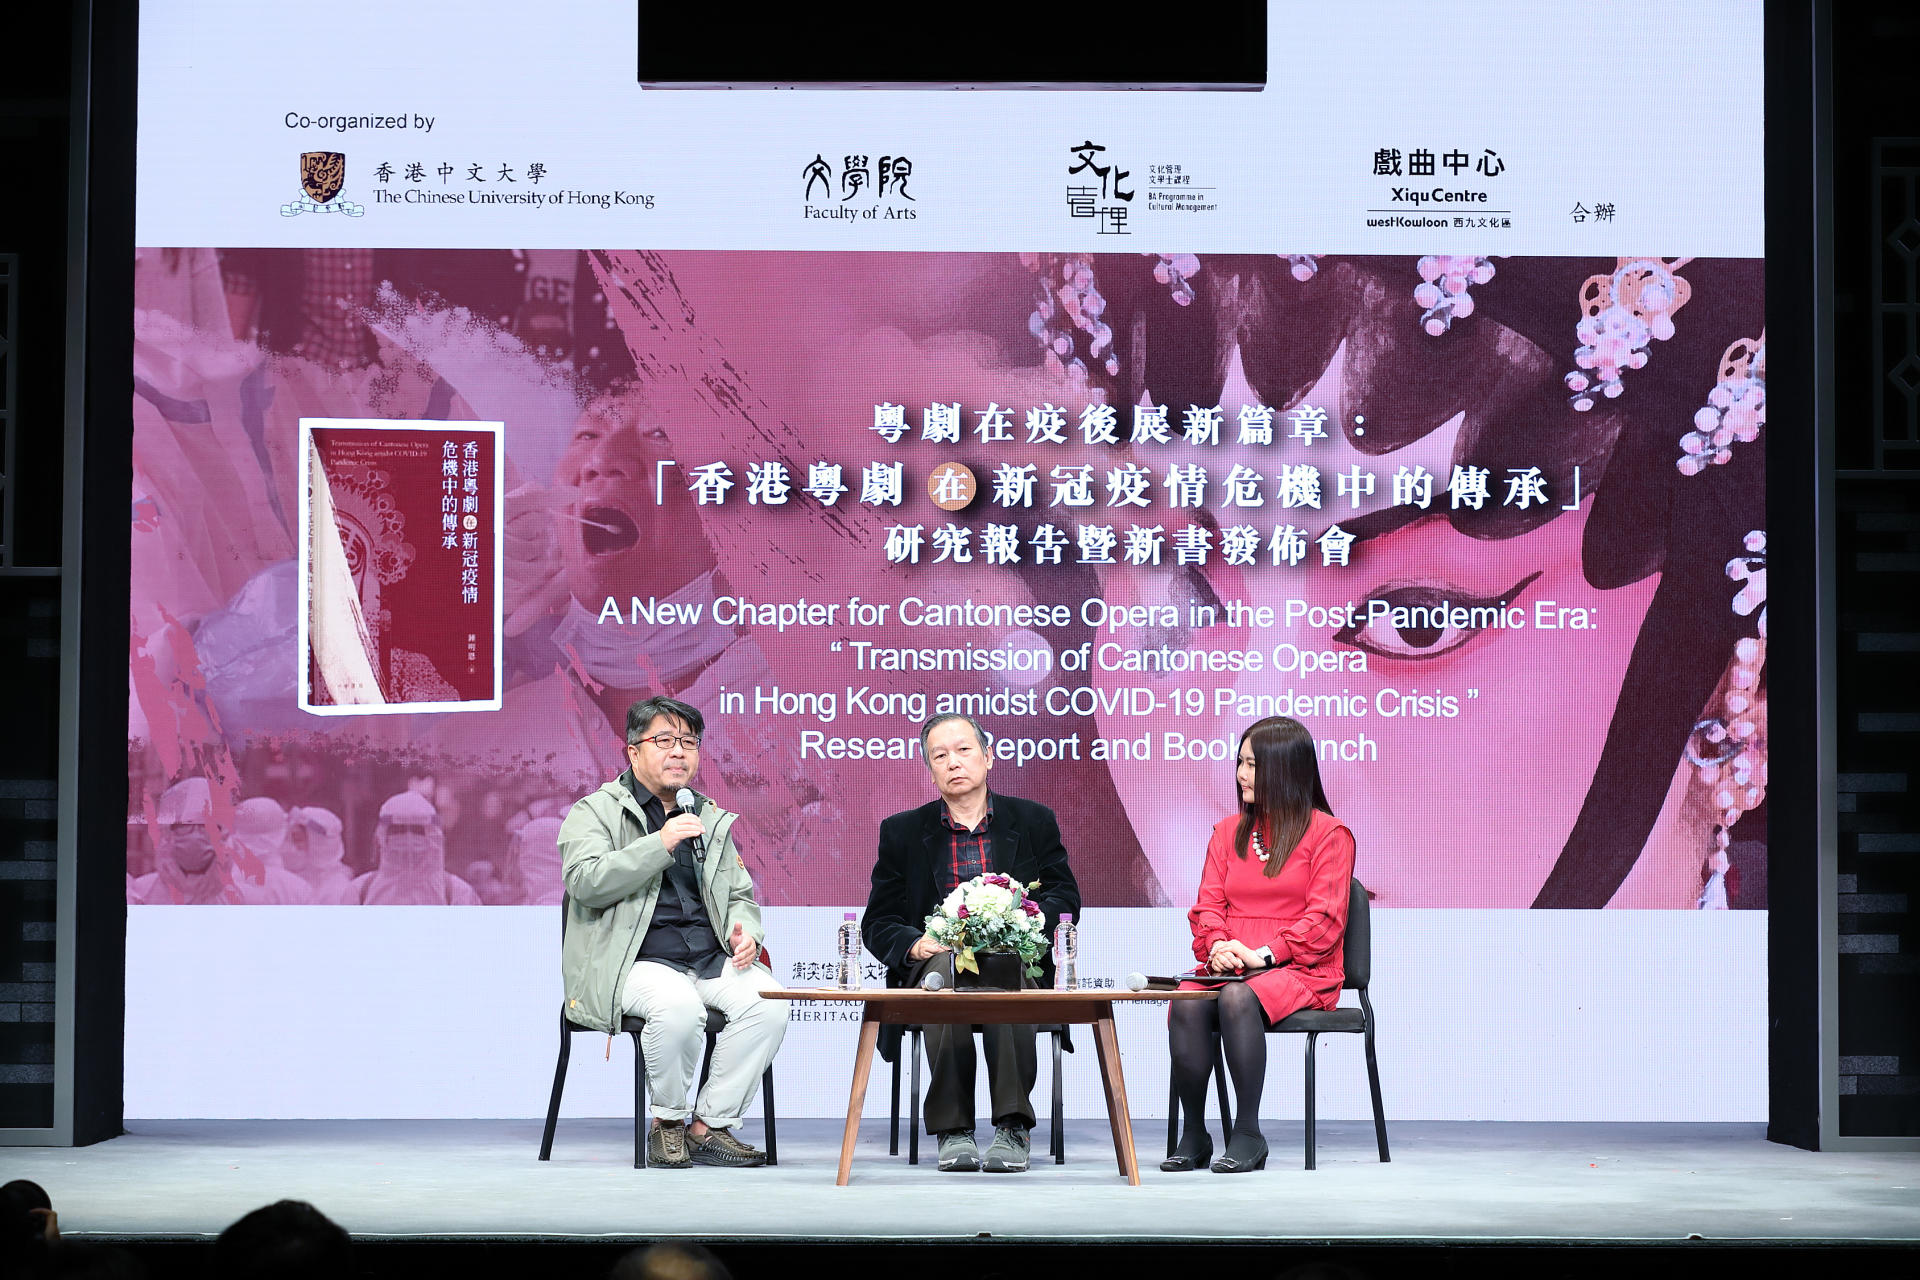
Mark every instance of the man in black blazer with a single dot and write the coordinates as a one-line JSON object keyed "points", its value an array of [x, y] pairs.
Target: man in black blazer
{"points": [[924, 853]]}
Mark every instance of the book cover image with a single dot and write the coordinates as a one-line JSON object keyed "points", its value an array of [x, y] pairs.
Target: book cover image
{"points": [[400, 566]]}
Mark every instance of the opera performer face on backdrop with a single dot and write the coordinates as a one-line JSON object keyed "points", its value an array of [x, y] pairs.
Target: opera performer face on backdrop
{"points": [[1479, 765], [1471, 752], [616, 538]]}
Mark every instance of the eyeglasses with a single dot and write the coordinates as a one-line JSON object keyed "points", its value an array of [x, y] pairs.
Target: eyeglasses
{"points": [[408, 828], [666, 741]]}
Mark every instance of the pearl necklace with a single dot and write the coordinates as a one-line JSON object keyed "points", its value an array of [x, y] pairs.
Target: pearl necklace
{"points": [[1259, 845]]}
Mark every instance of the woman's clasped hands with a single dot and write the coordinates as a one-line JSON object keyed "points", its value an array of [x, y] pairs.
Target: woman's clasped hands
{"points": [[1230, 955]]}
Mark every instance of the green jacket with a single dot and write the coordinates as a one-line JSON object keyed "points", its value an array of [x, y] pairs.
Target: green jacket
{"points": [[614, 864]]}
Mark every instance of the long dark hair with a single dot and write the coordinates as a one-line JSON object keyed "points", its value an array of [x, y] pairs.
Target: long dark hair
{"points": [[1286, 788]]}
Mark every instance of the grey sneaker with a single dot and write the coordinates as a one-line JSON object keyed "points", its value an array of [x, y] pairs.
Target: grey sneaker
{"points": [[1008, 1152], [720, 1147], [957, 1152], [667, 1145]]}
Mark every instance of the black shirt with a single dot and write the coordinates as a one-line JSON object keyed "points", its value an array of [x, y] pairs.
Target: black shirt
{"points": [[681, 933]]}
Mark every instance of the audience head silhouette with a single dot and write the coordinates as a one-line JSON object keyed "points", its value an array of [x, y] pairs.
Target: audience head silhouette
{"points": [[287, 1240], [24, 1210], [670, 1262]]}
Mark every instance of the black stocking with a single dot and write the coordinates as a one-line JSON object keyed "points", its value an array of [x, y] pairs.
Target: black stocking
{"points": [[1243, 1039], [1242, 1026], [1190, 1035]]}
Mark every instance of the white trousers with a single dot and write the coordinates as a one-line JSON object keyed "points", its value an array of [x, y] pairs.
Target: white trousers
{"points": [[675, 1007]]}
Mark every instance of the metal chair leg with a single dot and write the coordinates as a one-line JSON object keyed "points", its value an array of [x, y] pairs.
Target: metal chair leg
{"points": [[639, 1104], [1059, 1135], [893, 1129], [1312, 1039], [766, 1106], [913, 1122], [706, 1061], [1220, 1087], [1173, 1116], [559, 1083], [1373, 1084]]}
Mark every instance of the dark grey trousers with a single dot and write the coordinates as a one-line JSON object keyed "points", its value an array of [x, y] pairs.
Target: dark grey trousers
{"points": [[1012, 1067]]}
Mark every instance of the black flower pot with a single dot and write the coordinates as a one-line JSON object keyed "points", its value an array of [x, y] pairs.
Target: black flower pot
{"points": [[999, 971]]}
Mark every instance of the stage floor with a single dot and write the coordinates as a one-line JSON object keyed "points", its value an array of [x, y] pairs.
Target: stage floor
{"points": [[1447, 1182]]}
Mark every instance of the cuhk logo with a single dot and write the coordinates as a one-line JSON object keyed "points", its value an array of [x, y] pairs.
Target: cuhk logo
{"points": [[322, 174]]}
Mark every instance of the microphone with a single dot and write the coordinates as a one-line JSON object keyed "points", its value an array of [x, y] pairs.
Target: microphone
{"points": [[689, 803], [934, 980], [1141, 982]]}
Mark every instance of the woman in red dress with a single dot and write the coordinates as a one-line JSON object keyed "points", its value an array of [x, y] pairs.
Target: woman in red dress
{"points": [[1273, 905]]}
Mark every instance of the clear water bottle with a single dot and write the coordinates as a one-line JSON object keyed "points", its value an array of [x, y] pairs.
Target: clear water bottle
{"points": [[1066, 949], [849, 970]]}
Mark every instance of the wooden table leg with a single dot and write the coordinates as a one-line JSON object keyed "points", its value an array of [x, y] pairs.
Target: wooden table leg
{"points": [[1113, 1080], [857, 1096], [1106, 1088]]}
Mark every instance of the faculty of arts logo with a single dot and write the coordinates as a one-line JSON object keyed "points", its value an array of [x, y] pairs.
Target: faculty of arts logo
{"points": [[857, 181], [322, 174]]}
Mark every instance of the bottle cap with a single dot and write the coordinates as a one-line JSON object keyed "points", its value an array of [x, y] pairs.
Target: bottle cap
{"points": [[1066, 917], [850, 916]]}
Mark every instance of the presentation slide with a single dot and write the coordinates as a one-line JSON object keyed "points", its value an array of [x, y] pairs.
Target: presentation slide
{"points": [[466, 418]]}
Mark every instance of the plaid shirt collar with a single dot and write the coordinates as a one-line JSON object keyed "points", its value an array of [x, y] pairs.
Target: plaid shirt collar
{"points": [[986, 819]]}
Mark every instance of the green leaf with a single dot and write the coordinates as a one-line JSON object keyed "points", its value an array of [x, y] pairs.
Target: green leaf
{"points": [[965, 962]]}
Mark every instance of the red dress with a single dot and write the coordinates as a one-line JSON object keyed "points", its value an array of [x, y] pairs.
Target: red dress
{"points": [[1301, 913]]}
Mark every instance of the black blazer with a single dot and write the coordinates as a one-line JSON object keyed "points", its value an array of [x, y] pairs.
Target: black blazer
{"points": [[1026, 846]]}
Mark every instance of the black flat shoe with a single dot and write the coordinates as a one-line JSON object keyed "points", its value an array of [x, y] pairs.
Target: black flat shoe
{"points": [[1180, 1162], [1244, 1155]]}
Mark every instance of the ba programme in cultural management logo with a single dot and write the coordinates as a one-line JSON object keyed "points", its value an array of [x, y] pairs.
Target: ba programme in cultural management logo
{"points": [[322, 174]]}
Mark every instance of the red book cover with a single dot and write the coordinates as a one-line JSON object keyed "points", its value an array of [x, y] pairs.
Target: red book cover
{"points": [[400, 566]]}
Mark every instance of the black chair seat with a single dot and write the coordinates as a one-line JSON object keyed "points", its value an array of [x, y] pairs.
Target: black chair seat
{"points": [[629, 1026], [716, 1022], [1323, 1020]]}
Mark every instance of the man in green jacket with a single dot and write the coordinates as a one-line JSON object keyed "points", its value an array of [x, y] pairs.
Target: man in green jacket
{"points": [[662, 925]]}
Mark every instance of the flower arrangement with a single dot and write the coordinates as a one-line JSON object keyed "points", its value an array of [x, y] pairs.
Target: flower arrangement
{"points": [[991, 913]]}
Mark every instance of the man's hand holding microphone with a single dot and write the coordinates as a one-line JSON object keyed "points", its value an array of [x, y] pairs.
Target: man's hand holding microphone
{"points": [[685, 824]]}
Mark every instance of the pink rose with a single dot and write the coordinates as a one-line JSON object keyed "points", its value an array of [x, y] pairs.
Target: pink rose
{"points": [[963, 911], [1029, 908]]}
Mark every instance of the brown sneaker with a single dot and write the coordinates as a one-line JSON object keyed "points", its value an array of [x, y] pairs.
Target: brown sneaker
{"points": [[667, 1145], [720, 1147]]}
